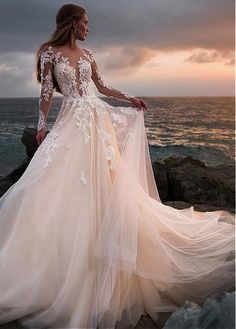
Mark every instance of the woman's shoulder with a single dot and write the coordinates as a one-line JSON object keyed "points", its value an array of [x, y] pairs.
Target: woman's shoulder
{"points": [[89, 54], [47, 50]]}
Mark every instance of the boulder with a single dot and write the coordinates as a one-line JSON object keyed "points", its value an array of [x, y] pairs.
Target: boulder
{"points": [[29, 140], [161, 178], [10, 179], [190, 180], [217, 312]]}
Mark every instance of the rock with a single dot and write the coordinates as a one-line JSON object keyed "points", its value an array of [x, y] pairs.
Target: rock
{"points": [[29, 140], [175, 161], [161, 178], [7, 181], [10, 325], [190, 180], [197, 206], [145, 322], [185, 317], [196, 184], [217, 312]]}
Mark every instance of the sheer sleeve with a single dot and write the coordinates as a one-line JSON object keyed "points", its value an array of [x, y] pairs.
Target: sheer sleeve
{"points": [[45, 99], [102, 87]]}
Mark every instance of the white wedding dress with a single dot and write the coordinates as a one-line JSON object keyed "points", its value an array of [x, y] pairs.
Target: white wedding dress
{"points": [[85, 241]]}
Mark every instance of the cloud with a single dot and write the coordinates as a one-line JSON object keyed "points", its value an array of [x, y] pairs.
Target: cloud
{"points": [[127, 58], [212, 56], [16, 74], [128, 33], [161, 25]]}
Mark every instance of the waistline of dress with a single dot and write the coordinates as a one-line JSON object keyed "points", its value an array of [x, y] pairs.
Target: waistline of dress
{"points": [[78, 97]]}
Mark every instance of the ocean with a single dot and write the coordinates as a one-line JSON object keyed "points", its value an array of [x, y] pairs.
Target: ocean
{"points": [[203, 127]]}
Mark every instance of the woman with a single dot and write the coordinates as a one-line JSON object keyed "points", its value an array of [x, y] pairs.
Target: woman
{"points": [[85, 240]]}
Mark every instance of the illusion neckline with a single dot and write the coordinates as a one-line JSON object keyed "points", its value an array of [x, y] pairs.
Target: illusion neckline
{"points": [[67, 58]]}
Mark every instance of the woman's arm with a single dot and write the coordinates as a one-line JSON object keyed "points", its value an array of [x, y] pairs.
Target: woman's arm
{"points": [[105, 89], [45, 98]]}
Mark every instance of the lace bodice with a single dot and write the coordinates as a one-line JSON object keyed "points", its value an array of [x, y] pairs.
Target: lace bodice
{"points": [[74, 80]]}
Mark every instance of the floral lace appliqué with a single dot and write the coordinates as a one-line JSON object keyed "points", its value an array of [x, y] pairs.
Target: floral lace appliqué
{"points": [[46, 64], [110, 155], [47, 87], [48, 146], [109, 148], [83, 121], [78, 95], [41, 120], [100, 111], [82, 177], [84, 75], [116, 118], [105, 135], [89, 55]]}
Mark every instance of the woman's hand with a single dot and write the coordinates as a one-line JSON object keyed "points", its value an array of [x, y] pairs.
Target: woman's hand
{"points": [[139, 103], [41, 135]]}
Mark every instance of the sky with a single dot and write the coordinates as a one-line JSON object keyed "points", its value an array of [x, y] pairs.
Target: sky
{"points": [[144, 47]]}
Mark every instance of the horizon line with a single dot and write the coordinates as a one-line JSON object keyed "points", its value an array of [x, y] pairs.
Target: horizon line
{"points": [[4, 97]]}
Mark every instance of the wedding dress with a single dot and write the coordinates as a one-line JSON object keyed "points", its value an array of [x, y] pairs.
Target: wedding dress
{"points": [[85, 240]]}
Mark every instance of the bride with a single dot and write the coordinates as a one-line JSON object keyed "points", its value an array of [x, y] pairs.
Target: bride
{"points": [[85, 240]]}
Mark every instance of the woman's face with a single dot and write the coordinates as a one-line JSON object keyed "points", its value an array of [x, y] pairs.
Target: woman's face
{"points": [[82, 28]]}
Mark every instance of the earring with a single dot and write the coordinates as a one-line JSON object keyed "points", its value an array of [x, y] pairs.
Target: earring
{"points": [[75, 31]]}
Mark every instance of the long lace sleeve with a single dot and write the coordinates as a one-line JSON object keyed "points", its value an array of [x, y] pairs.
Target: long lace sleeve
{"points": [[45, 99], [102, 87]]}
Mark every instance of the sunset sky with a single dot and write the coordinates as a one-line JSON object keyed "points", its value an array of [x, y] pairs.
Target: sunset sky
{"points": [[145, 47]]}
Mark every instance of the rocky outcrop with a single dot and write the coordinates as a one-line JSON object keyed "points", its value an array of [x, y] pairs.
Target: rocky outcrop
{"points": [[7, 181], [29, 140], [191, 181], [216, 312]]}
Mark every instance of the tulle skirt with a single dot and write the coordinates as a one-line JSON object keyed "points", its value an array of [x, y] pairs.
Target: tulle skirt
{"points": [[85, 241]]}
